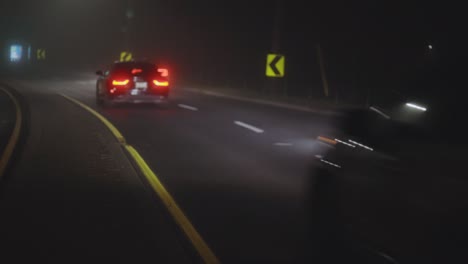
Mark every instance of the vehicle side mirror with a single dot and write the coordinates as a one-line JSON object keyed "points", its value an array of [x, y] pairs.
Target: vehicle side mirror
{"points": [[99, 73]]}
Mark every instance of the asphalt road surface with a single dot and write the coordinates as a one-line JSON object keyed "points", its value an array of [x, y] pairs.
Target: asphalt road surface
{"points": [[238, 170]]}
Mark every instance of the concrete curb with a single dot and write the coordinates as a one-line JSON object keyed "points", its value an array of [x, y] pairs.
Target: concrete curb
{"points": [[5, 157]]}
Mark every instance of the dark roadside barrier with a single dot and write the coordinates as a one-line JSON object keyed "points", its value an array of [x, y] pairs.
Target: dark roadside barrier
{"points": [[327, 238]]}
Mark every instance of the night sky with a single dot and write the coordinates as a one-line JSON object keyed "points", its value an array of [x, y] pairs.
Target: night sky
{"points": [[225, 42]]}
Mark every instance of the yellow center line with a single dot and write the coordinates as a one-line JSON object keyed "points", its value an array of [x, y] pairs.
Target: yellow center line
{"points": [[10, 147], [106, 122], [184, 223], [179, 216]]}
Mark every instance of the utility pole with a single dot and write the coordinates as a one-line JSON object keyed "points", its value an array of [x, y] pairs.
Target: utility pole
{"points": [[322, 71], [276, 42], [274, 84], [129, 14]]}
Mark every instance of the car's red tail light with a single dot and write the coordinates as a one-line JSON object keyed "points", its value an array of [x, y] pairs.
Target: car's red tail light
{"points": [[164, 72], [161, 83], [120, 82]]}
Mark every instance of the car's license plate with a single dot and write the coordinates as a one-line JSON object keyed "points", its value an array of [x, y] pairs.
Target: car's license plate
{"points": [[141, 85], [134, 92]]}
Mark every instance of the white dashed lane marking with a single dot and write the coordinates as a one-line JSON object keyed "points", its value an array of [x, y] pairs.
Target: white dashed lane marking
{"points": [[283, 144], [249, 127], [188, 107]]}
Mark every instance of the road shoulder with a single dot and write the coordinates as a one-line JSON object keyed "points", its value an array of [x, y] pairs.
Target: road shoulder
{"points": [[73, 195]]}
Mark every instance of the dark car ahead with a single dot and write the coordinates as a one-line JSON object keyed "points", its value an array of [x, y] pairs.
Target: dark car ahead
{"points": [[132, 82]]}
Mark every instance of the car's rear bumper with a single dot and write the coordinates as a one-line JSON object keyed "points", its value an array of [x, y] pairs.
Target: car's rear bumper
{"points": [[141, 98]]}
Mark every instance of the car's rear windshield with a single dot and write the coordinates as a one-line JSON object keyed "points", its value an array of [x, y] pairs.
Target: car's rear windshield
{"points": [[143, 67]]}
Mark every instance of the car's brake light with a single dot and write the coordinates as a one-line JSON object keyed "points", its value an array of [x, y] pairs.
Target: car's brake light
{"points": [[120, 82], [164, 72], [135, 71], [161, 83]]}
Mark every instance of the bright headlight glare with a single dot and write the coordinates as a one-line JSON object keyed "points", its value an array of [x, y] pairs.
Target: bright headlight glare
{"points": [[415, 106]]}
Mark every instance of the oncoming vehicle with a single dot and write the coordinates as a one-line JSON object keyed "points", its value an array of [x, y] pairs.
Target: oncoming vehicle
{"points": [[132, 82]]}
